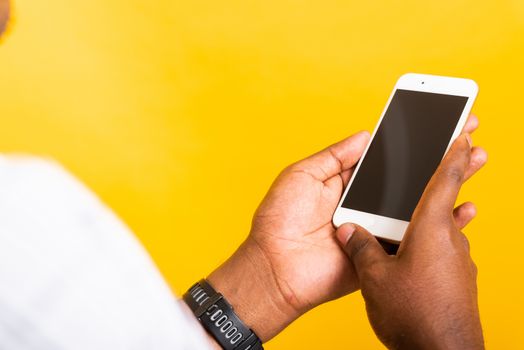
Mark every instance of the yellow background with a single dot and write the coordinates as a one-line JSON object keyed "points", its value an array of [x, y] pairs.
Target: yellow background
{"points": [[180, 113]]}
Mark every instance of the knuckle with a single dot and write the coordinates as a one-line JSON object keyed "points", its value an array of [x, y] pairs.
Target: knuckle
{"points": [[289, 169], [292, 169], [372, 268], [454, 174], [358, 247]]}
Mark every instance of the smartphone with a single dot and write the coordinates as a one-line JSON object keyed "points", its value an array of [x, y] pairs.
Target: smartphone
{"points": [[423, 116]]}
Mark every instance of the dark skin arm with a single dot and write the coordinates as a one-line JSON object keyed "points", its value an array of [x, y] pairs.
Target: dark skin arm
{"points": [[291, 261]]}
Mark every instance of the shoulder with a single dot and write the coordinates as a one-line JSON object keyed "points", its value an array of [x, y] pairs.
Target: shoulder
{"points": [[25, 170], [37, 185], [61, 247]]}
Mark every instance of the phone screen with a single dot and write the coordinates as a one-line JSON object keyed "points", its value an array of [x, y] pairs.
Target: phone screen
{"points": [[405, 152]]}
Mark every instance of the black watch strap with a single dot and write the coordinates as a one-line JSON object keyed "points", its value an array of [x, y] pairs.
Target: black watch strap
{"points": [[218, 318]]}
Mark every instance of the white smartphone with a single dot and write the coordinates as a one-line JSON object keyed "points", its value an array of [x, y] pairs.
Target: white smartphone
{"points": [[424, 115]]}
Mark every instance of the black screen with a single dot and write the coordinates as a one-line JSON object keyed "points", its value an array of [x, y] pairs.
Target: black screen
{"points": [[404, 154]]}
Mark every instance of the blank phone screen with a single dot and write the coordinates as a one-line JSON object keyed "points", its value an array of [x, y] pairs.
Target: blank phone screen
{"points": [[405, 152]]}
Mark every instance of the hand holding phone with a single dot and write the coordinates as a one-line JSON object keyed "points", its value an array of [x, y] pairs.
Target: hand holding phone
{"points": [[423, 116], [425, 297], [291, 260]]}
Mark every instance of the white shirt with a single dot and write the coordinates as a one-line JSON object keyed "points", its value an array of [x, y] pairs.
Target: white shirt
{"points": [[72, 275]]}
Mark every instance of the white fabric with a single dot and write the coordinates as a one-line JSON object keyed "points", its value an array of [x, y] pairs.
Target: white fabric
{"points": [[72, 276]]}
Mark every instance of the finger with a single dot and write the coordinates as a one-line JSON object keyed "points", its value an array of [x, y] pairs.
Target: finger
{"points": [[479, 158], [471, 124], [346, 176], [362, 247], [441, 192], [464, 213], [336, 158]]}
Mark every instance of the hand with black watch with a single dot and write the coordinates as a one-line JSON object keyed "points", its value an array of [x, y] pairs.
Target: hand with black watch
{"points": [[292, 260]]}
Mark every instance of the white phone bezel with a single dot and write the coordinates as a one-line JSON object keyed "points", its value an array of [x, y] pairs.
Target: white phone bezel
{"points": [[385, 227]]}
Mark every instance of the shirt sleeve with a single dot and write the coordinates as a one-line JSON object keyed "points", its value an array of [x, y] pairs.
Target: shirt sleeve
{"points": [[73, 276]]}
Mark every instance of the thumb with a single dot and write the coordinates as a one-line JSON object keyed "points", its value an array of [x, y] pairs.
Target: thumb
{"points": [[362, 247]]}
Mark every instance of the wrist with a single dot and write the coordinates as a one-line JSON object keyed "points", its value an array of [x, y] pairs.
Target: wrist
{"points": [[247, 282], [463, 332]]}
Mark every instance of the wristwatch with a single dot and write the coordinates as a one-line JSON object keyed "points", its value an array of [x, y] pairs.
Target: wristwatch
{"points": [[218, 318]]}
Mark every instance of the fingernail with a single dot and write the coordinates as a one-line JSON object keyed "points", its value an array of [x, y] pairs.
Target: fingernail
{"points": [[345, 232], [468, 138]]}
